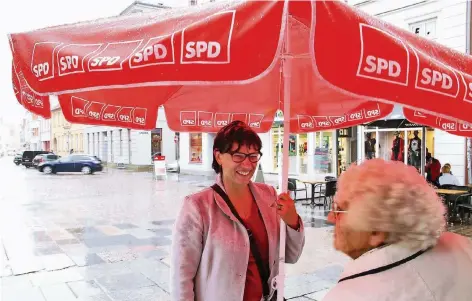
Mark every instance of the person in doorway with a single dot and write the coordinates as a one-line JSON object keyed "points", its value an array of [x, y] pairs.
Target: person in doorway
{"points": [[392, 225], [414, 150], [446, 177], [225, 241], [397, 148], [432, 169], [369, 146]]}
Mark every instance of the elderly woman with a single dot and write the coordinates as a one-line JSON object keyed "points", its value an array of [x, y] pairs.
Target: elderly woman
{"points": [[447, 178], [390, 222], [226, 239]]}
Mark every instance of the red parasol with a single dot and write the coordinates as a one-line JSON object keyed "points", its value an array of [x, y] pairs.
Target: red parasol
{"points": [[325, 64]]}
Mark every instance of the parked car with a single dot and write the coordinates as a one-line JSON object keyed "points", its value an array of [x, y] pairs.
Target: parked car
{"points": [[28, 156], [85, 164], [43, 158], [17, 159]]}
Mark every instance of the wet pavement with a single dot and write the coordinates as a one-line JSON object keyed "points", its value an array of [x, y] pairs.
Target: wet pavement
{"points": [[107, 237]]}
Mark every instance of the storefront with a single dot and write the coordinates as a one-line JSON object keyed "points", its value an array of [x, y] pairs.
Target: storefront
{"points": [[195, 152], [347, 148], [156, 142], [397, 140], [310, 154]]}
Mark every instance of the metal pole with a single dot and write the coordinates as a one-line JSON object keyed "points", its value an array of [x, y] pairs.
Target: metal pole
{"points": [[423, 151], [287, 76]]}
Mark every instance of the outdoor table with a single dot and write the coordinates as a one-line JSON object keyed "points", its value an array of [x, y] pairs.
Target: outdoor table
{"points": [[314, 184], [450, 191]]}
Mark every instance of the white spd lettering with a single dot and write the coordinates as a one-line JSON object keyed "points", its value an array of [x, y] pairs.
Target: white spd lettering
{"points": [[255, 124], [69, 62], [139, 120], [340, 120], [78, 111], [95, 115], [41, 69], [379, 65], [188, 122], [323, 123], [433, 77], [373, 113], [448, 126], [38, 102], [108, 116], [222, 123], [105, 60], [125, 118], [205, 122], [159, 52], [305, 125], [470, 89], [201, 49], [357, 115]]}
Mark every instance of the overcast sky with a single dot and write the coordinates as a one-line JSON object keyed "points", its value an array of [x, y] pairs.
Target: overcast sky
{"points": [[25, 15]]}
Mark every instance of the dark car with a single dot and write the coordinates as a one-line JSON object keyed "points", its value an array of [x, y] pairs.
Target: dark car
{"points": [[28, 156], [17, 159], [85, 164], [43, 158]]}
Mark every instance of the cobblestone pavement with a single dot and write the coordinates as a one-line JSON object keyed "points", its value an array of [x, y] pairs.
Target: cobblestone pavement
{"points": [[106, 237]]}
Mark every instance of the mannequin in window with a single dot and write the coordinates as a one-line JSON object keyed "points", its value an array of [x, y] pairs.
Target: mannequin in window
{"points": [[397, 148], [414, 150], [369, 147]]}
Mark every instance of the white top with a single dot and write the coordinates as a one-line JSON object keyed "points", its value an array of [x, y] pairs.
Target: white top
{"points": [[440, 274], [448, 179]]}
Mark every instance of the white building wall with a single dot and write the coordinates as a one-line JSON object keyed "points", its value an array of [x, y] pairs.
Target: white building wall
{"points": [[451, 31], [135, 147]]}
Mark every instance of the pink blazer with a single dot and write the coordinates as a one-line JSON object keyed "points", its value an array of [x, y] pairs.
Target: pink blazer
{"points": [[210, 248]]}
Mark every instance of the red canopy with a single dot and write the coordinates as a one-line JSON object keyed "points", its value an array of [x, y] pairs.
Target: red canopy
{"points": [[445, 124], [231, 60], [198, 95], [225, 70]]}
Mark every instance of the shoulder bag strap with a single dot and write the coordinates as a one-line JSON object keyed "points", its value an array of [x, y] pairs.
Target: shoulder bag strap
{"points": [[263, 272], [385, 267]]}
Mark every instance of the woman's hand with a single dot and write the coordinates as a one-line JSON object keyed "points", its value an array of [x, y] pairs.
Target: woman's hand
{"points": [[287, 211]]}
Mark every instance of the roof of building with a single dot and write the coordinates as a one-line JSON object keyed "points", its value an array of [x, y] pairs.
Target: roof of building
{"points": [[140, 6]]}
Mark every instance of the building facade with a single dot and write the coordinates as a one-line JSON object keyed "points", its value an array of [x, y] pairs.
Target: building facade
{"points": [[32, 139], [66, 136], [45, 133]]}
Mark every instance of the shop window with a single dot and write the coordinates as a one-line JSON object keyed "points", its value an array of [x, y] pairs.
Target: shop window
{"points": [[404, 145], [324, 152], [303, 153], [278, 146], [347, 148], [196, 148], [156, 142]]}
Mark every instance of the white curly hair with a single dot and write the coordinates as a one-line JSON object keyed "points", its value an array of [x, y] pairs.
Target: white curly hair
{"points": [[391, 197]]}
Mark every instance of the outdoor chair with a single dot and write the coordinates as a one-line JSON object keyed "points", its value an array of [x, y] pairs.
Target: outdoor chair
{"points": [[329, 193], [293, 187]]}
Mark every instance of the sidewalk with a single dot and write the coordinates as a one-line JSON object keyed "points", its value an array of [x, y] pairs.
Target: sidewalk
{"points": [[106, 237]]}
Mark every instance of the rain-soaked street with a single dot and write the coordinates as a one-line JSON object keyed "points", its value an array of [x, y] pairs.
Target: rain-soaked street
{"points": [[107, 237]]}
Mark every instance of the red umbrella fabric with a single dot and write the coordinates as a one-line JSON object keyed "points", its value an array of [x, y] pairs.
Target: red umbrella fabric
{"points": [[206, 101], [383, 63], [233, 60], [448, 125]]}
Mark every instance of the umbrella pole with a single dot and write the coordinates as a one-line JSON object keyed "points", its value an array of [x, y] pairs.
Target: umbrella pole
{"points": [[287, 74]]}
